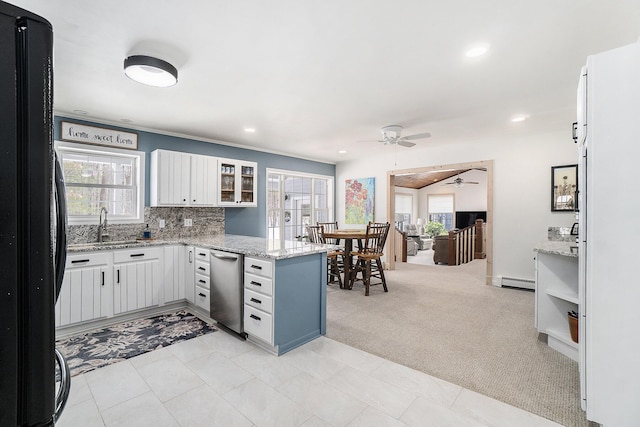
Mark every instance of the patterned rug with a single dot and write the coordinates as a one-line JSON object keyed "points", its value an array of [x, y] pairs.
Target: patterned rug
{"points": [[116, 343]]}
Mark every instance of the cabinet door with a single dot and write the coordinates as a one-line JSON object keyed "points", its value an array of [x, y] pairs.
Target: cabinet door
{"points": [[83, 296], [237, 183], [136, 285], [174, 274], [189, 272], [247, 184], [227, 183], [172, 175], [203, 180]]}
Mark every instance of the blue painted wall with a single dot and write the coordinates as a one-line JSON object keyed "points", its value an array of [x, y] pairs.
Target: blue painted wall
{"points": [[244, 221]]}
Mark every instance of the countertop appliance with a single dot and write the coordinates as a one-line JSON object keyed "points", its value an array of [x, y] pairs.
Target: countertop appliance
{"points": [[608, 172], [32, 225], [227, 291]]}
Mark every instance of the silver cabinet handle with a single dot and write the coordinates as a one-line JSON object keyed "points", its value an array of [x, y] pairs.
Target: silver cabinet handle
{"points": [[226, 257]]}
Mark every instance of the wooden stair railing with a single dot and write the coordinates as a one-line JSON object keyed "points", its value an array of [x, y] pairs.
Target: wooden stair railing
{"points": [[467, 244], [400, 245]]}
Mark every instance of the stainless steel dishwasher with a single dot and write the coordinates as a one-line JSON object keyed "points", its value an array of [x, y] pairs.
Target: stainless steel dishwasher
{"points": [[227, 290]]}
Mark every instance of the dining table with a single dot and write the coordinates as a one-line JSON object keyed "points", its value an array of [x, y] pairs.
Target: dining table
{"points": [[348, 236]]}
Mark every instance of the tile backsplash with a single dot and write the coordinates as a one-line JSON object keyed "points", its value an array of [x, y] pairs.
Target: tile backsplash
{"points": [[560, 234], [206, 221]]}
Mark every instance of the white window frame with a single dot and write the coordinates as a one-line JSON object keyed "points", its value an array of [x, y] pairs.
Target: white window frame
{"points": [[139, 180], [330, 196], [452, 196]]}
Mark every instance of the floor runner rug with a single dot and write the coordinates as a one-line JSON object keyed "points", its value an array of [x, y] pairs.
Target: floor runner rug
{"points": [[118, 342]]}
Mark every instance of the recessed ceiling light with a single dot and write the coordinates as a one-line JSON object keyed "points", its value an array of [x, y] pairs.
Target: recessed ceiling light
{"points": [[250, 130], [84, 113], [150, 71], [342, 151], [517, 119], [477, 50]]}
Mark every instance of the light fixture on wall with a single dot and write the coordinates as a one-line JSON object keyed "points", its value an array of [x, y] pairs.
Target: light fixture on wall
{"points": [[150, 71]]}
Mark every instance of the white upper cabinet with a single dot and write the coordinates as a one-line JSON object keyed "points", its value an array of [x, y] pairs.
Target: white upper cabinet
{"points": [[238, 181], [203, 180], [182, 179]]}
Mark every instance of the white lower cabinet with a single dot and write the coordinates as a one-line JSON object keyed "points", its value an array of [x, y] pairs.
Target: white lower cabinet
{"points": [[173, 280], [258, 299], [201, 278], [137, 279], [87, 289], [556, 295]]}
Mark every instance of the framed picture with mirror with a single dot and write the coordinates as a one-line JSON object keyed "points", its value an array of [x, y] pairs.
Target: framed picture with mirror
{"points": [[564, 188]]}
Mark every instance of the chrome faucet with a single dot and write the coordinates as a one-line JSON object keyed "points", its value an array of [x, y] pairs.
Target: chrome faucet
{"points": [[102, 225]]}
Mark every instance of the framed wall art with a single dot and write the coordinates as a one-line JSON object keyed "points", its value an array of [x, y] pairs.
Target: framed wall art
{"points": [[359, 200], [564, 188]]}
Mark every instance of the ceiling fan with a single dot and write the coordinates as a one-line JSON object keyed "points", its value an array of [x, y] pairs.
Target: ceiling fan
{"points": [[391, 135], [459, 182]]}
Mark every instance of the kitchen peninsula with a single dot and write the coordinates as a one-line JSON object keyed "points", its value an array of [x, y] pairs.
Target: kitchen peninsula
{"points": [[284, 284]]}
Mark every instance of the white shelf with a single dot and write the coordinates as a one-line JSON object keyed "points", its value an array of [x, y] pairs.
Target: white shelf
{"points": [[561, 341], [571, 297]]}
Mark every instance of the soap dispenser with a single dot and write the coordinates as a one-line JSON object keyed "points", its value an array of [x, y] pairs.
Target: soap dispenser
{"points": [[147, 233]]}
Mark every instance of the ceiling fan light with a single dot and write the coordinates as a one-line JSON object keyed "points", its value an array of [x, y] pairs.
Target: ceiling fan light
{"points": [[150, 71]]}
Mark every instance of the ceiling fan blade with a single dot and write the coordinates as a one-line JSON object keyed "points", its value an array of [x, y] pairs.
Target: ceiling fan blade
{"points": [[405, 143], [471, 182], [418, 136]]}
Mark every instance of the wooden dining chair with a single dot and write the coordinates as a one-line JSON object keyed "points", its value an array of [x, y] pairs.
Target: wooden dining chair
{"points": [[334, 267], [370, 251], [314, 233], [330, 226]]}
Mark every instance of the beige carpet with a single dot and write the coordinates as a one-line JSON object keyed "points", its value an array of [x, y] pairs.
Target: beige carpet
{"points": [[446, 322]]}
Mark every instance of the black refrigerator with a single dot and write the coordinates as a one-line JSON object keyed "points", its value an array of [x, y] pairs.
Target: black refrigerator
{"points": [[32, 225]]}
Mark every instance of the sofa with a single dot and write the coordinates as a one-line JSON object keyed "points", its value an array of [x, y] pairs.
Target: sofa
{"points": [[441, 250]]}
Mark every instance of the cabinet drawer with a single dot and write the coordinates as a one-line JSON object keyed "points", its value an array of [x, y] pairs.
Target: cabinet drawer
{"points": [[260, 301], [88, 259], [202, 281], [259, 324], [260, 267], [202, 255], [258, 284], [202, 298], [202, 267], [134, 255]]}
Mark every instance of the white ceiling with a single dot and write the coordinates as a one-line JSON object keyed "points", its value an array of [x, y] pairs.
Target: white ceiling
{"points": [[314, 77]]}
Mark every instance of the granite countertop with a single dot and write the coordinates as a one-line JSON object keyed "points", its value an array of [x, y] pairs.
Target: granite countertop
{"points": [[569, 249], [246, 245]]}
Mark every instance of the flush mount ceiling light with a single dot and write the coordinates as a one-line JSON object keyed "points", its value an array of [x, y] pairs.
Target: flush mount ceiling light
{"points": [[477, 50], [150, 71]]}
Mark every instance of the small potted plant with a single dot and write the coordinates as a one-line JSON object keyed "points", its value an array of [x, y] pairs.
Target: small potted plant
{"points": [[435, 228], [573, 325]]}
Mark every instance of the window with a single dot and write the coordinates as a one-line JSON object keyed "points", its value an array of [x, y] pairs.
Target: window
{"points": [[295, 200], [97, 177], [404, 207], [441, 209]]}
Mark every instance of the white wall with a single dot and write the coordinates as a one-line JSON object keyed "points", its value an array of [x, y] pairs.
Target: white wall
{"points": [[521, 185], [470, 197]]}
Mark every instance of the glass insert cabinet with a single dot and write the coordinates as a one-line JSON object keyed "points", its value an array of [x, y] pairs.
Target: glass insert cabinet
{"points": [[237, 182]]}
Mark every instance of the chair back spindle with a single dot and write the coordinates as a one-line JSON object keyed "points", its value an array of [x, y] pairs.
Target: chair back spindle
{"points": [[315, 233]]}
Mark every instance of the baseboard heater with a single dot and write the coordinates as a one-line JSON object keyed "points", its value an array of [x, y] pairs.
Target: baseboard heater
{"points": [[516, 282]]}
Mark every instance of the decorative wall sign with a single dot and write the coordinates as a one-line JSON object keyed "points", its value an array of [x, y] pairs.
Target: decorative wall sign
{"points": [[99, 136], [564, 188], [359, 200]]}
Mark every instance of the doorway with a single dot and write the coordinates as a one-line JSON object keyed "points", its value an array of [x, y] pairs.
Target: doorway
{"points": [[440, 172]]}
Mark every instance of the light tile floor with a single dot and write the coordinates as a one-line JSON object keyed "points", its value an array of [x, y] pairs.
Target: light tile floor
{"points": [[218, 380]]}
